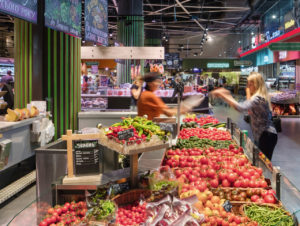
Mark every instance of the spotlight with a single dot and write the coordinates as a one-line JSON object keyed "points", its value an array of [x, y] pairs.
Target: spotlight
{"points": [[252, 33], [110, 34], [274, 16]]}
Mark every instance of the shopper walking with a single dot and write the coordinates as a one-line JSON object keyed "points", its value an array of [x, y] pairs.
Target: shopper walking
{"points": [[151, 105], [8, 78], [258, 107]]}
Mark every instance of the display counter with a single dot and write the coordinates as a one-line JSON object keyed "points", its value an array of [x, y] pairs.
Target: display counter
{"points": [[59, 192], [107, 118], [16, 147]]}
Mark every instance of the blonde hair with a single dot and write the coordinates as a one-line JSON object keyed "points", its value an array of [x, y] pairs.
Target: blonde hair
{"points": [[260, 86]]}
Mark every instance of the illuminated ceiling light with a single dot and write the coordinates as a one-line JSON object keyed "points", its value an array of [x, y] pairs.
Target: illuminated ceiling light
{"points": [[110, 34], [83, 41], [205, 34], [252, 33], [153, 21], [164, 37], [206, 29], [106, 69], [240, 42], [274, 16]]}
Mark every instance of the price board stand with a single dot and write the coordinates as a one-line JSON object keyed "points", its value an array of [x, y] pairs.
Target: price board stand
{"points": [[69, 137]]}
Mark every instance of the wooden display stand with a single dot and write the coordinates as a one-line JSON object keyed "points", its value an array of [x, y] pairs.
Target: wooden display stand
{"points": [[69, 138], [133, 159]]}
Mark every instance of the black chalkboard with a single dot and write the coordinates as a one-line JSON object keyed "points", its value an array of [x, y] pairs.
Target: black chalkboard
{"points": [[64, 15], [86, 157], [126, 134], [227, 206], [96, 21], [24, 9]]}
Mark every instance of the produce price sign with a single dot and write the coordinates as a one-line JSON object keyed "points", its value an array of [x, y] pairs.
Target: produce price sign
{"points": [[126, 134], [86, 157], [64, 15], [227, 206], [96, 21], [23, 9], [166, 127]]}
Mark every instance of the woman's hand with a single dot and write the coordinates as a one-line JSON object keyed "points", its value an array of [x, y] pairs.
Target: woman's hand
{"points": [[220, 92]]}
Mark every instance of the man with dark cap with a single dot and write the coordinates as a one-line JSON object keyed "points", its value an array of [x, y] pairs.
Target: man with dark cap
{"points": [[8, 96], [8, 79], [151, 105]]}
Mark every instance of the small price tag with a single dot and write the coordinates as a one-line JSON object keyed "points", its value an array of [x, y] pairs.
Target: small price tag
{"points": [[126, 134], [227, 206], [166, 127], [116, 189]]}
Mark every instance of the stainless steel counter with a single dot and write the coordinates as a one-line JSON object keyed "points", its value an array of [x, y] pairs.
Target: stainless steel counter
{"points": [[91, 119]]}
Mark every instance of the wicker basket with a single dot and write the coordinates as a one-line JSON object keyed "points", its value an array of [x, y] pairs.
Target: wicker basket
{"points": [[131, 196], [274, 206]]}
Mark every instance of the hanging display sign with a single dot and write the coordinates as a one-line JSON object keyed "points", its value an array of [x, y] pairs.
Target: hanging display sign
{"points": [[217, 65], [289, 22], [245, 63], [26, 10], [64, 15], [269, 36], [96, 21]]}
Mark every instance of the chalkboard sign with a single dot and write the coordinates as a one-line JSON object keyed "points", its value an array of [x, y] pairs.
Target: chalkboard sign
{"points": [[23, 9], [86, 157], [166, 127], [96, 21], [64, 15], [227, 206], [126, 134], [116, 189]]}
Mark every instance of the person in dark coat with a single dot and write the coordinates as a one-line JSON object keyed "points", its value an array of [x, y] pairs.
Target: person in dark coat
{"points": [[8, 96]]}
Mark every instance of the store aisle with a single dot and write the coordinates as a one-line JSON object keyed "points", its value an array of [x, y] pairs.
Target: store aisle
{"points": [[13, 207], [287, 151]]}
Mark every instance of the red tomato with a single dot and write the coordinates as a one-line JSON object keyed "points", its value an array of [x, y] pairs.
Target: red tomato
{"points": [[232, 177], [225, 183], [254, 198], [270, 199]]}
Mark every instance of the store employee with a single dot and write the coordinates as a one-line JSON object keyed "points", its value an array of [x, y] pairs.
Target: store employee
{"points": [[8, 97], [151, 105]]}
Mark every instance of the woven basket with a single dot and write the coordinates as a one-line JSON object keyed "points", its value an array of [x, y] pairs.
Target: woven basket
{"points": [[274, 206], [131, 196]]}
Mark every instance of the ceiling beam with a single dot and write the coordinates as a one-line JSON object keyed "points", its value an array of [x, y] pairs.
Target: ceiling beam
{"points": [[199, 7], [192, 12], [167, 7], [188, 13]]}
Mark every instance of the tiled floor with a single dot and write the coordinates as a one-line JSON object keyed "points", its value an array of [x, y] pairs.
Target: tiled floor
{"points": [[286, 156], [16, 205]]}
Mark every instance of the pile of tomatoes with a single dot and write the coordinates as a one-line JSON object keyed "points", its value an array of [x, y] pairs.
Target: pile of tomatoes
{"points": [[202, 120], [132, 214], [68, 214], [212, 134]]}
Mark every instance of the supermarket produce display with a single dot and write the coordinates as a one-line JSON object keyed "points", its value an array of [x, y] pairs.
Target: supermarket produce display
{"points": [[206, 178]]}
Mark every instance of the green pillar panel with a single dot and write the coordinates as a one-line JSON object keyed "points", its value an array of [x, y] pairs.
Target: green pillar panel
{"points": [[130, 33], [63, 77], [23, 63]]}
